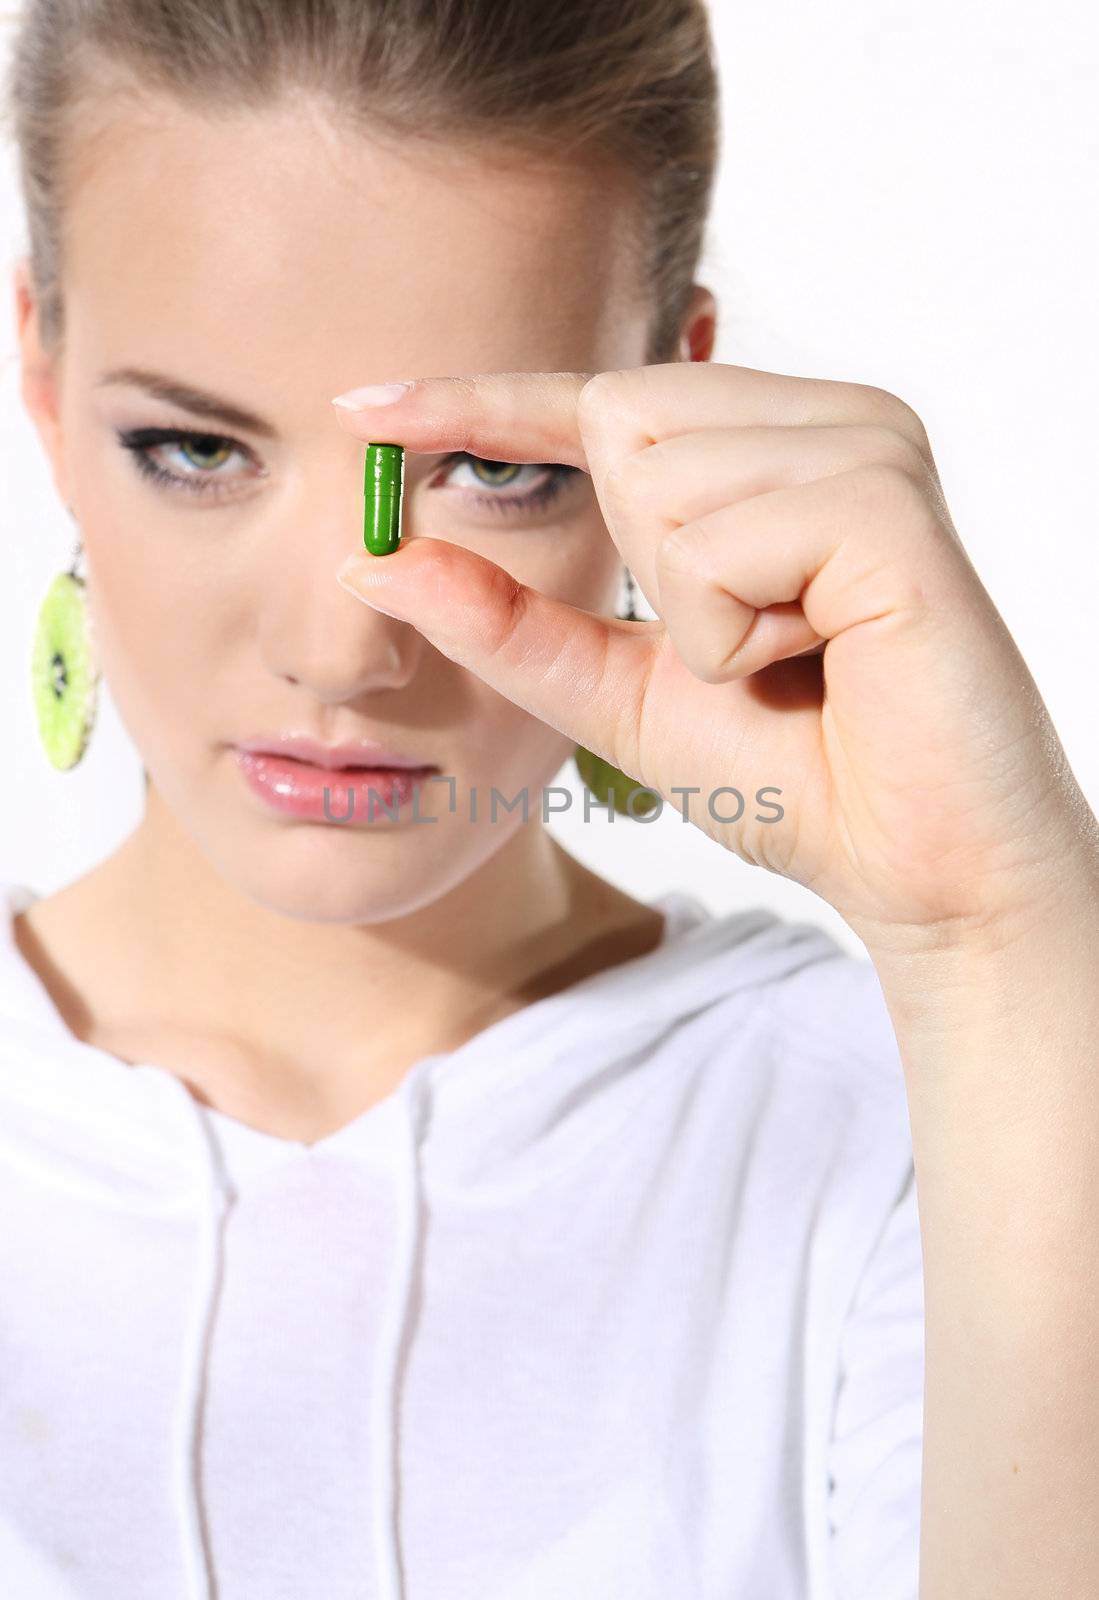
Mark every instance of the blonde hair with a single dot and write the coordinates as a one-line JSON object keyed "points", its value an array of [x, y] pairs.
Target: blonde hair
{"points": [[632, 81]]}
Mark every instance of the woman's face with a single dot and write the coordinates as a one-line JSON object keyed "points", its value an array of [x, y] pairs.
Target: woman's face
{"points": [[270, 262]]}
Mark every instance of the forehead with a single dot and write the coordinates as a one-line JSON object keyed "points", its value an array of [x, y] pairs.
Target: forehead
{"points": [[278, 235]]}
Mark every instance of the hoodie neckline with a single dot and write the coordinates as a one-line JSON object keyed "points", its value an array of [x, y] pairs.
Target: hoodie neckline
{"points": [[136, 1111], [116, 1092]]}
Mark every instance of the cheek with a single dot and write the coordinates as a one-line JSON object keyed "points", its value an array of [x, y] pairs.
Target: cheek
{"points": [[576, 562], [501, 744], [159, 631], [584, 570]]}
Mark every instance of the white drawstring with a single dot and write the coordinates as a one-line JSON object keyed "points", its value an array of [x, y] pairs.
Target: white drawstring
{"points": [[216, 1196], [384, 1396]]}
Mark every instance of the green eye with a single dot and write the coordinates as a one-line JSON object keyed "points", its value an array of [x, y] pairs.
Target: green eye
{"points": [[192, 448], [515, 487], [496, 473], [204, 457]]}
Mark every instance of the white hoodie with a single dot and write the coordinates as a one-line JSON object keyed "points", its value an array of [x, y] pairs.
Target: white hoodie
{"points": [[619, 1300]]}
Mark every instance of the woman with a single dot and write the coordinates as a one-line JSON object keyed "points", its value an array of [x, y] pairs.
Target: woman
{"points": [[398, 1208]]}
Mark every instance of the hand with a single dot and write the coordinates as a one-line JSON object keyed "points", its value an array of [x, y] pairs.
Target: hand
{"points": [[821, 631]]}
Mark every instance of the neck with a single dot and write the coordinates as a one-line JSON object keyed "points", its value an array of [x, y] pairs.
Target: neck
{"points": [[297, 1025]]}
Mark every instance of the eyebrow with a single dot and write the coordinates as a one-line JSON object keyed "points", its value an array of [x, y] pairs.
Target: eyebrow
{"points": [[198, 401]]}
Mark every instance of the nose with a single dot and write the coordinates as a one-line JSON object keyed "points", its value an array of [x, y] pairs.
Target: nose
{"points": [[312, 632]]}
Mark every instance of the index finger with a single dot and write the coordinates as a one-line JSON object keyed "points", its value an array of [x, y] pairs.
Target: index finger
{"points": [[499, 416], [540, 416]]}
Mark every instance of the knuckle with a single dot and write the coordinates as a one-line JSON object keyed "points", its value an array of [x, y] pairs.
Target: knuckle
{"points": [[892, 489], [506, 603], [614, 491], [603, 397], [591, 402], [888, 445], [685, 550], [893, 412], [627, 485], [466, 407], [707, 669], [883, 402]]}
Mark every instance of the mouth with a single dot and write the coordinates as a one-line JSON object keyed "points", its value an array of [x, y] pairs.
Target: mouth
{"points": [[358, 755], [351, 791], [350, 766]]}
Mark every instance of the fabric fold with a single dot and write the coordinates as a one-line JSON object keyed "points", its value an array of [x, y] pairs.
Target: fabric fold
{"points": [[567, 1311]]}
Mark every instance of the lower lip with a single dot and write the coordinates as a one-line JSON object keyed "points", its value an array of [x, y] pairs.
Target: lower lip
{"points": [[354, 794]]}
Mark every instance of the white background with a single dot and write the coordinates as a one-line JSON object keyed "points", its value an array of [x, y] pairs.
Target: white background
{"points": [[902, 201]]}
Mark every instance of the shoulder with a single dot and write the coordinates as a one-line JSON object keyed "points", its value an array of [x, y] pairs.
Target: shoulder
{"points": [[791, 1041], [790, 982], [830, 1013]]}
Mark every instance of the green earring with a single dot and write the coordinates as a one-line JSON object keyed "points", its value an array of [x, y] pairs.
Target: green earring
{"points": [[610, 785], [64, 670]]}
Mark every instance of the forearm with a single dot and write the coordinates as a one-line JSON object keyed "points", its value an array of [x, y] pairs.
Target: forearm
{"points": [[1000, 1045]]}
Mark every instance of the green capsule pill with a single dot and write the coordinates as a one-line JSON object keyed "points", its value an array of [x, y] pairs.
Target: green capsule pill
{"points": [[383, 488]]}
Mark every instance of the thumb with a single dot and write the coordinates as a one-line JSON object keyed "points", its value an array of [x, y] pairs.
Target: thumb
{"points": [[579, 672]]}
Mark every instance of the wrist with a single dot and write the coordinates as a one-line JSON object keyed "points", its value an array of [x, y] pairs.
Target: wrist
{"points": [[991, 971]]}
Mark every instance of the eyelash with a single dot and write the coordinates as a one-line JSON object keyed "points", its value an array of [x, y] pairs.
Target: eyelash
{"points": [[141, 441]]}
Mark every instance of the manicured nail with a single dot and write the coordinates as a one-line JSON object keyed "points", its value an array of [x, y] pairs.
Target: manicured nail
{"points": [[370, 395]]}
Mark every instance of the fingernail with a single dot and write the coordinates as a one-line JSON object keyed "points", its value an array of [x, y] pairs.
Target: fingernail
{"points": [[370, 395]]}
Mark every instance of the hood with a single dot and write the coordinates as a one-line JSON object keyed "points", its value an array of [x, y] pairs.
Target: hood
{"points": [[493, 1111]]}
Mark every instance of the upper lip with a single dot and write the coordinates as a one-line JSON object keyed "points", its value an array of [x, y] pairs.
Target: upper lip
{"points": [[355, 753]]}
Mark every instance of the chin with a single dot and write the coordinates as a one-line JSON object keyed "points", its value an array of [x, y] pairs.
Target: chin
{"points": [[338, 875]]}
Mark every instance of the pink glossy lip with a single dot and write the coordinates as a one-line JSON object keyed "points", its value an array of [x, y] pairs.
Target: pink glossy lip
{"points": [[344, 795], [355, 753]]}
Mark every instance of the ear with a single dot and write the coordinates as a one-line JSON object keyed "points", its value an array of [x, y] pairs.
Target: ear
{"points": [[696, 341], [40, 373]]}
